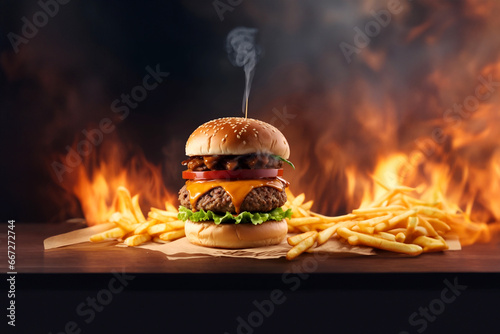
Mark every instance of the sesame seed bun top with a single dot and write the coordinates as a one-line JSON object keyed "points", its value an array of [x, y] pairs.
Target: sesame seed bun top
{"points": [[237, 136]]}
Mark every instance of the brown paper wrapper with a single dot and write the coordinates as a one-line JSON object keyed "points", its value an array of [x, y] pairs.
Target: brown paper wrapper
{"points": [[76, 237], [183, 249]]}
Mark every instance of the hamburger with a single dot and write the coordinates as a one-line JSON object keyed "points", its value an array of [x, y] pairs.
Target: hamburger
{"points": [[234, 187]]}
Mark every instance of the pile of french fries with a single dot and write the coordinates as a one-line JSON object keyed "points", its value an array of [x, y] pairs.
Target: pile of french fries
{"points": [[397, 221], [134, 229]]}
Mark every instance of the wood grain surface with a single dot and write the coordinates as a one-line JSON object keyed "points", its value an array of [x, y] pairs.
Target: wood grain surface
{"points": [[104, 258]]}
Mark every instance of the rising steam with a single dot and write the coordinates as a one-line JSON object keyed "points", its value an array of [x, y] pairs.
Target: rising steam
{"points": [[242, 51]]}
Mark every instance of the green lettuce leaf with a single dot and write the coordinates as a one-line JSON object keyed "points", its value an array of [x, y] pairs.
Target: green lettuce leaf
{"points": [[284, 160], [255, 218]]}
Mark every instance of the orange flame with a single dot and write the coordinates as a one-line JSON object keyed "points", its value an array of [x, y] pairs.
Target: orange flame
{"points": [[95, 181]]}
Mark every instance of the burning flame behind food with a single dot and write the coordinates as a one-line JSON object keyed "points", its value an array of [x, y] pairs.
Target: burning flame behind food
{"points": [[392, 217], [96, 181]]}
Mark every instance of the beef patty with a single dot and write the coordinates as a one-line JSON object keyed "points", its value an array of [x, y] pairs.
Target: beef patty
{"points": [[261, 199]]}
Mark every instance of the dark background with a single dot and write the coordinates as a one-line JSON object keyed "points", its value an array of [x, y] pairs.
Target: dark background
{"points": [[66, 77]]}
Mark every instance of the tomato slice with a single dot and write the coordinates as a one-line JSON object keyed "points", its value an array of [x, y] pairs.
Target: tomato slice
{"points": [[232, 174]]}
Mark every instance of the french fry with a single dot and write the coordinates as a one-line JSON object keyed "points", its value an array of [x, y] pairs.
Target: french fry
{"points": [[431, 211], [379, 209], [299, 199], [176, 224], [172, 235], [324, 235], [429, 228], [139, 216], [307, 205], [397, 230], [385, 235], [296, 213], [439, 225], [136, 240], [400, 237], [165, 213], [377, 220], [158, 240], [304, 228], [161, 217], [378, 202], [158, 229], [321, 226], [296, 239], [124, 203], [420, 231], [301, 247], [122, 221], [304, 221], [114, 233], [366, 229], [391, 223], [169, 207], [431, 244], [368, 240], [165, 227], [290, 197], [333, 219], [410, 227], [142, 228], [302, 212]]}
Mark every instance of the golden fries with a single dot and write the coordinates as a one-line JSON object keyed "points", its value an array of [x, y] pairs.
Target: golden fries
{"points": [[304, 221], [132, 226], [165, 227], [114, 233], [172, 235], [142, 228], [136, 240], [292, 241], [355, 238], [301, 247], [137, 210], [396, 221]]}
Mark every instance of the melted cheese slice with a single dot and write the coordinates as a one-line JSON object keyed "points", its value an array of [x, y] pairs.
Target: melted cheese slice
{"points": [[237, 189]]}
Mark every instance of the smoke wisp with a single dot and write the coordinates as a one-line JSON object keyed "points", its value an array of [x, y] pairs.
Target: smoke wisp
{"points": [[243, 52]]}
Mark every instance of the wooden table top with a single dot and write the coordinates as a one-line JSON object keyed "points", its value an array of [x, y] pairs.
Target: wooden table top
{"points": [[104, 258]]}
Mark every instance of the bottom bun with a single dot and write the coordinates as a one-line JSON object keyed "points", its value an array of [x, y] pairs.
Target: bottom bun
{"points": [[235, 235]]}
